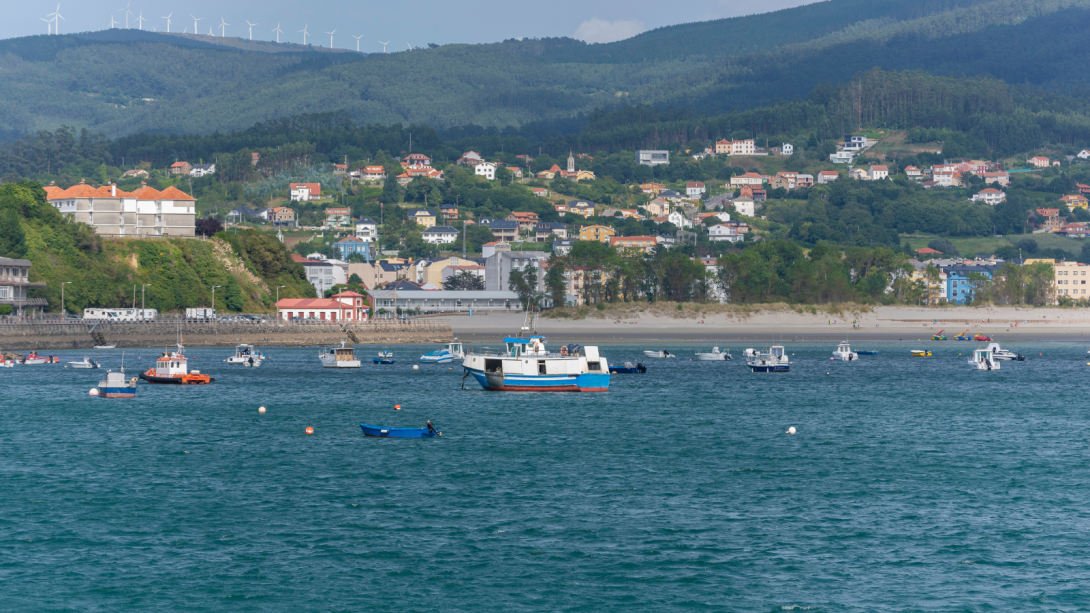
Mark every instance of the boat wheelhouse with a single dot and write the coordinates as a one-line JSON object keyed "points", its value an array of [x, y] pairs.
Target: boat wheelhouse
{"points": [[116, 385], [983, 360], [338, 357], [844, 352], [527, 366]]}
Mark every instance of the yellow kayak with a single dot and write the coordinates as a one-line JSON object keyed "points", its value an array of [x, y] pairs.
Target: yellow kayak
{"points": [[920, 353]]}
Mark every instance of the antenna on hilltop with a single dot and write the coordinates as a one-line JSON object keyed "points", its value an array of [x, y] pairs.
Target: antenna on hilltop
{"points": [[357, 41], [304, 31], [331, 38], [168, 21], [251, 28], [384, 45], [278, 31]]}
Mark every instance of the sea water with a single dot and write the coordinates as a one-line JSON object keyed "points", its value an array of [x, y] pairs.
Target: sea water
{"points": [[911, 484]]}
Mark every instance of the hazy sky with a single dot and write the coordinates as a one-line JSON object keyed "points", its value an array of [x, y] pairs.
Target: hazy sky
{"points": [[419, 23]]}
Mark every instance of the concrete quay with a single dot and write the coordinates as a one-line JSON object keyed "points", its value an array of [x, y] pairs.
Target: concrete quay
{"points": [[52, 336]]}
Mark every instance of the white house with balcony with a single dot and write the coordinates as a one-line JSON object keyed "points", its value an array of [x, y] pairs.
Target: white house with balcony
{"points": [[990, 196], [440, 235], [724, 233], [366, 230]]}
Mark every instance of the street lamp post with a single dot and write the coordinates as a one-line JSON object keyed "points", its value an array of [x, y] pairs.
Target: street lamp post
{"points": [[142, 288], [63, 312], [216, 316], [278, 300]]}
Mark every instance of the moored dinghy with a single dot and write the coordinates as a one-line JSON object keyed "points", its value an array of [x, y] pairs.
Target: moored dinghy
{"points": [[385, 432], [628, 369], [662, 353], [714, 356], [84, 363]]}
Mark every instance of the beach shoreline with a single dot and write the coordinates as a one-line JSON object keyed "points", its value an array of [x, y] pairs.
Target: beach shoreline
{"points": [[877, 323]]}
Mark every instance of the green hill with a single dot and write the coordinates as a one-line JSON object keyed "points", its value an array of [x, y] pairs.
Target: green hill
{"points": [[122, 81], [180, 272]]}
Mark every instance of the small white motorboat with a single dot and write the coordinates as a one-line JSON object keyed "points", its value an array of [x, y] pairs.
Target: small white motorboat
{"points": [[775, 360], [658, 354], [246, 355], [844, 352], [35, 359], [983, 360], [84, 363], [113, 346], [713, 356], [1005, 355], [750, 353]]}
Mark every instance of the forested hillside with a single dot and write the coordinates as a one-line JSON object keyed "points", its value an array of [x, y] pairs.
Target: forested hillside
{"points": [[120, 82]]}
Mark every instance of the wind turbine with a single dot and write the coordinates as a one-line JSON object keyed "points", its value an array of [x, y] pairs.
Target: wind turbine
{"points": [[251, 28], [384, 45], [127, 13], [223, 27], [331, 38], [304, 31], [113, 22], [357, 41], [57, 24], [168, 21], [195, 20], [278, 31], [48, 25], [140, 20], [410, 46]]}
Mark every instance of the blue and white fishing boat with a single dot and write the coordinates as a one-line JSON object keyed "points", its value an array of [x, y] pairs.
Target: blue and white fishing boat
{"points": [[453, 351], [117, 386], [775, 360], [384, 357], [527, 366]]}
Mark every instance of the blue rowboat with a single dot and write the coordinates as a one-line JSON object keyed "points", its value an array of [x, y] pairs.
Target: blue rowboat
{"points": [[384, 360], [383, 432], [628, 368], [861, 352]]}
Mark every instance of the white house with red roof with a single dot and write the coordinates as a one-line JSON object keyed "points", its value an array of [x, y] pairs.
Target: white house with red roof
{"points": [[373, 173], [343, 307], [990, 196], [827, 176], [1038, 161], [305, 192], [417, 159], [694, 189], [749, 178], [878, 172]]}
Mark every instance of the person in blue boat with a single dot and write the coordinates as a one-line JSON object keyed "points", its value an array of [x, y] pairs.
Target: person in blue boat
{"points": [[431, 428]]}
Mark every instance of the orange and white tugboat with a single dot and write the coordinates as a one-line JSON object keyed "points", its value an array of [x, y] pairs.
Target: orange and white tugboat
{"points": [[172, 368]]}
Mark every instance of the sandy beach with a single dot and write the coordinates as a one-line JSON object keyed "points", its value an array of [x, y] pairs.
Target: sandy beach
{"points": [[780, 322]]}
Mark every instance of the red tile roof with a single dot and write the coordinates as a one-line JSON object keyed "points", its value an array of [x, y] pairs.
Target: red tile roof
{"points": [[310, 303], [928, 251], [315, 188], [173, 193]]}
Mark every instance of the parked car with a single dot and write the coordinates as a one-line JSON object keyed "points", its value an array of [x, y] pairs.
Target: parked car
{"points": [[251, 319]]}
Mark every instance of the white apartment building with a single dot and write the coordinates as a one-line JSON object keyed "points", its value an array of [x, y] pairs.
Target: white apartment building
{"points": [[115, 213]]}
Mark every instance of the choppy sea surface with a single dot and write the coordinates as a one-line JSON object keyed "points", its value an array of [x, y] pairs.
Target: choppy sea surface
{"points": [[912, 484]]}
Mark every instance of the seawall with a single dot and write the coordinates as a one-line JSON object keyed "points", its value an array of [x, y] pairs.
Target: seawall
{"points": [[47, 336]]}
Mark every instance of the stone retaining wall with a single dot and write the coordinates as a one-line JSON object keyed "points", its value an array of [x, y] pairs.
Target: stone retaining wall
{"points": [[30, 336]]}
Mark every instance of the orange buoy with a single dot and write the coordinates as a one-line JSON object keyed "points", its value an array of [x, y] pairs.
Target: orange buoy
{"points": [[310, 430], [397, 407]]}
